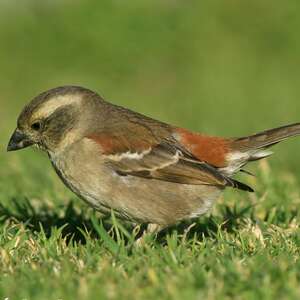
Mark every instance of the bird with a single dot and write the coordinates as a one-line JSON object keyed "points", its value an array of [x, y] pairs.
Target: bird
{"points": [[144, 170]]}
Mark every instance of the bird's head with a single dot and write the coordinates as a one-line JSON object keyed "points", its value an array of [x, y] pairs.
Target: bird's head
{"points": [[54, 119]]}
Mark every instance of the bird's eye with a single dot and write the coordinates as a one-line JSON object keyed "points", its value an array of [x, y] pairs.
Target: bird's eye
{"points": [[36, 126]]}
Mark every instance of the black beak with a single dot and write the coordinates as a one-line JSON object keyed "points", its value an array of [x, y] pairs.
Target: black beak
{"points": [[18, 140]]}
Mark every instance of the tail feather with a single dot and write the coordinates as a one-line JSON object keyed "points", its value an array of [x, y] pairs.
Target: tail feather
{"points": [[266, 138], [255, 147]]}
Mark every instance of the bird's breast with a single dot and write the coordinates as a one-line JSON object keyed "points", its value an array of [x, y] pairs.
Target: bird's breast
{"points": [[80, 175]]}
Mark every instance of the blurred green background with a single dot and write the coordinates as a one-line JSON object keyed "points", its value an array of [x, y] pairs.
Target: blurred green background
{"points": [[222, 67], [227, 68]]}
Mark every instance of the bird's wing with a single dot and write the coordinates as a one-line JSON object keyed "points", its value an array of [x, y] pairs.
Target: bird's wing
{"points": [[158, 156]]}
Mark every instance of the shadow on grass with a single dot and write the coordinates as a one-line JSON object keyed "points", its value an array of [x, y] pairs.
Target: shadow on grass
{"points": [[45, 219], [75, 222], [230, 219]]}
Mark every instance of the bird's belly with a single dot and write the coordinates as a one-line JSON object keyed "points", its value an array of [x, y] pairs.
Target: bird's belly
{"points": [[135, 198]]}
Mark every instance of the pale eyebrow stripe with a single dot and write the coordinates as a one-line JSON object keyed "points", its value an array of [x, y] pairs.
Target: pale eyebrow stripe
{"points": [[50, 106]]}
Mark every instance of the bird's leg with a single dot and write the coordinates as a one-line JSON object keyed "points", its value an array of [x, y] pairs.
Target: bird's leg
{"points": [[151, 229]]}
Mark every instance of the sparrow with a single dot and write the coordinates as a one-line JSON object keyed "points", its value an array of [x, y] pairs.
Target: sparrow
{"points": [[145, 170]]}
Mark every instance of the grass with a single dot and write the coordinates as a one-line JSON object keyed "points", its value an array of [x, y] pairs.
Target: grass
{"points": [[223, 68], [247, 249]]}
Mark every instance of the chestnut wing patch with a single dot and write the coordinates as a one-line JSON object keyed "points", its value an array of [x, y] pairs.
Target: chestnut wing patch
{"points": [[212, 150], [121, 143]]}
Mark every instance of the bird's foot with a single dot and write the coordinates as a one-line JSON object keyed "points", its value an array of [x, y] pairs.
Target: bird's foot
{"points": [[152, 229]]}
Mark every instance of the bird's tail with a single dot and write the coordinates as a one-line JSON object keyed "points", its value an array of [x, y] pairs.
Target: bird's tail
{"points": [[255, 147], [266, 139]]}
